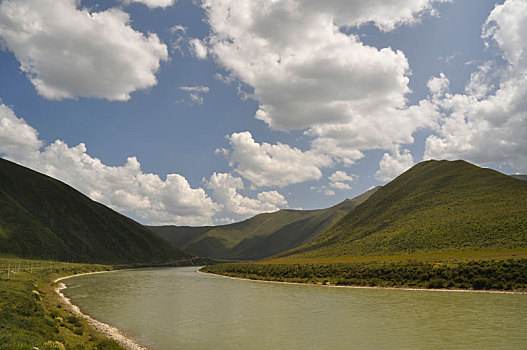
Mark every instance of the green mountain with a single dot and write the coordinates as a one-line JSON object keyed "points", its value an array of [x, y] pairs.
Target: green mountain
{"points": [[521, 177], [260, 236], [436, 206], [41, 217]]}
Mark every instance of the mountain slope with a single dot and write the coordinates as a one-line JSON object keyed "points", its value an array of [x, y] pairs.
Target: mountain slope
{"points": [[41, 217], [260, 236], [434, 206]]}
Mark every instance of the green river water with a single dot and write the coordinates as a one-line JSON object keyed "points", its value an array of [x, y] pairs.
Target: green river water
{"points": [[178, 308]]}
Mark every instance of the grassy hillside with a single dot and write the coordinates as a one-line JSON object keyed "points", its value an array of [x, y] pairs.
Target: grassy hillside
{"points": [[41, 217], [260, 236], [436, 206], [32, 314]]}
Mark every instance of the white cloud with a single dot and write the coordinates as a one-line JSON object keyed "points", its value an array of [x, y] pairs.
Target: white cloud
{"points": [[224, 221], [178, 28], [385, 14], [154, 3], [340, 175], [68, 52], [489, 123], [438, 86], [198, 49], [17, 138], [303, 69], [225, 190], [124, 188], [480, 81], [339, 179], [200, 89], [322, 189], [272, 165], [195, 93], [394, 164], [345, 141], [195, 98], [340, 185], [307, 74], [506, 25]]}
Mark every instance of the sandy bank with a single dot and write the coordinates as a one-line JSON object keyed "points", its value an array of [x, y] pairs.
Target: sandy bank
{"points": [[110, 331], [372, 287]]}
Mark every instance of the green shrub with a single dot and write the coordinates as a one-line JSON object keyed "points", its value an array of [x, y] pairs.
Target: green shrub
{"points": [[108, 345], [436, 283], [53, 345]]}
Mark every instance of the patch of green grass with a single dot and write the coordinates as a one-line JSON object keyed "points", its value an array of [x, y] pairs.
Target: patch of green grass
{"points": [[441, 256], [31, 313]]}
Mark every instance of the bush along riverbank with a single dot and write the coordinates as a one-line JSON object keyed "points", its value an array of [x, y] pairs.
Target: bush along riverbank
{"points": [[505, 275], [32, 315]]}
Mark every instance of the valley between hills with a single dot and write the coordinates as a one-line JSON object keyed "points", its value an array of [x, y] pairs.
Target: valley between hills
{"points": [[440, 225]]}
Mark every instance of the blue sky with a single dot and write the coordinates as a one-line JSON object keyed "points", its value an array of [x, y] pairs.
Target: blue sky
{"points": [[208, 112]]}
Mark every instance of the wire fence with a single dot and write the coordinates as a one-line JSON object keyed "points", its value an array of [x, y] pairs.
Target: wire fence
{"points": [[10, 268]]}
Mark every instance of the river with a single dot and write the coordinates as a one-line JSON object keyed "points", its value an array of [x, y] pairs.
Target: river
{"points": [[178, 308]]}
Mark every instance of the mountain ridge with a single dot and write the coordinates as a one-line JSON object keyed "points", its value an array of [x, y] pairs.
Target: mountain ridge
{"points": [[433, 206], [41, 217], [261, 236]]}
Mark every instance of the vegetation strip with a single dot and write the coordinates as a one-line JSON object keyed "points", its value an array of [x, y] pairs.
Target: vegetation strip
{"points": [[368, 287], [497, 276]]}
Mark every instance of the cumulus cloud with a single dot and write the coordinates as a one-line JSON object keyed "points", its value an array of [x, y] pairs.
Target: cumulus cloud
{"points": [[340, 180], [272, 165], [195, 93], [68, 52], [488, 124], [345, 141], [329, 192], [199, 89], [438, 86], [178, 28], [394, 164], [304, 70], [385, 14], [153, 3], [124, 188], [307, 74], [198, 48], [225, 189], [17, 138]]}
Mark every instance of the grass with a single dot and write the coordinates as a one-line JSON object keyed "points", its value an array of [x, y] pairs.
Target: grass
{"points": [[434, 256], [31, 313], [436, 206]]}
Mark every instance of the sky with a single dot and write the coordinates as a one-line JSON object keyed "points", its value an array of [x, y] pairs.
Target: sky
{"points": [[208, 112]]}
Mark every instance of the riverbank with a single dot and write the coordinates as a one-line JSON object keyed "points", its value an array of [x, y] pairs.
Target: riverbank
{"points": [[369, 287], [481, 276], [111, 332], [182, 309], [33, 316]]}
